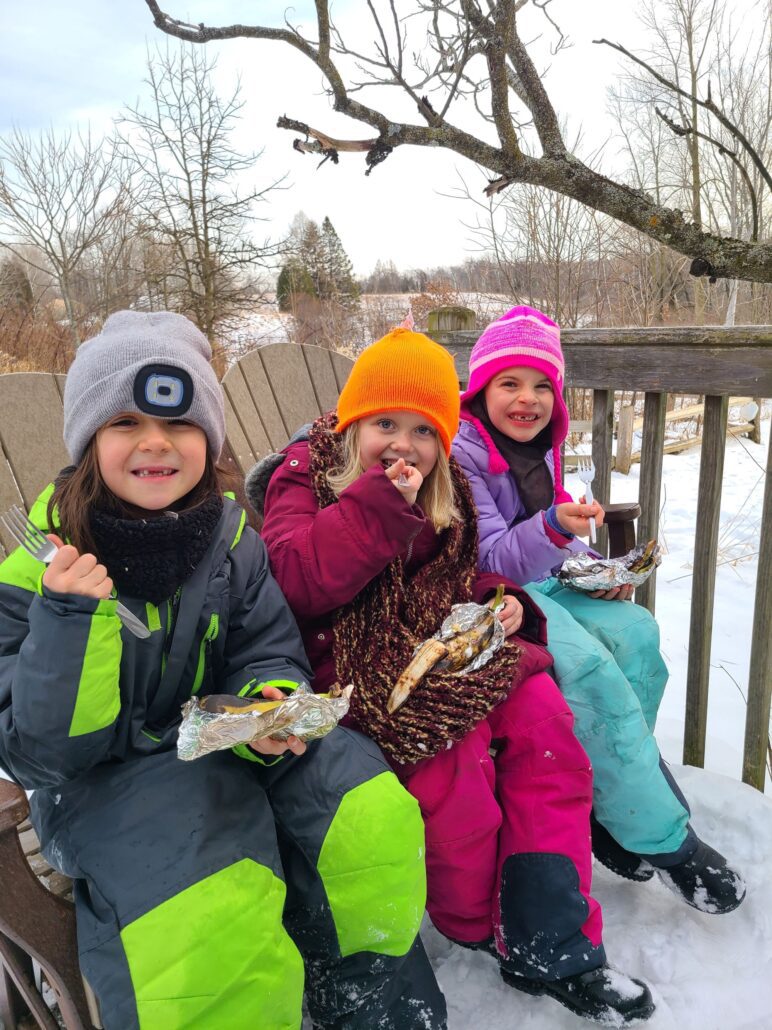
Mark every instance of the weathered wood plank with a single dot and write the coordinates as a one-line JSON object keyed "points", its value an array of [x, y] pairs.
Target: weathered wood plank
{"points": [[9, 494], [341, 366], [322, 375], [240, 447], [650, 484], [624, 439], [757, 336], [602, 428], [682, 359], [708, 508], [32, 444], [287, 372], [674, 369], [264, 404], [760, 673], [243, 418]]}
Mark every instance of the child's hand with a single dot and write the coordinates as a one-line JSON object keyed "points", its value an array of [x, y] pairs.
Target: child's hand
{"points": [[73, 573], [623, 593], [412, 479], [269, 746], [511, 615], [575, 518]]}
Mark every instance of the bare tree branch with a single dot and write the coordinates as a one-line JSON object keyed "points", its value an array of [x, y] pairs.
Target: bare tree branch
{"points": [[687, 130], [708, 104], [460, 34]]}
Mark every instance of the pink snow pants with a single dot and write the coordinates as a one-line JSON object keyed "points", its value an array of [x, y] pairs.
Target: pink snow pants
{"points": [[508, 838]]}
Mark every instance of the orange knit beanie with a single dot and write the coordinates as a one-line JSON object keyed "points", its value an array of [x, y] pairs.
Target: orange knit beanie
{"points": [[403, 371]]}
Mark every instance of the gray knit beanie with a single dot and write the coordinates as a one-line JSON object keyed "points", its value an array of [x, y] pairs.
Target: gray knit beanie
{"points": [[156, 363]]}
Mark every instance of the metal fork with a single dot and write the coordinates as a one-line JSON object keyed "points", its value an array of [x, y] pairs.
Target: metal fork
{"points": [[27, 535], [586, 472]]}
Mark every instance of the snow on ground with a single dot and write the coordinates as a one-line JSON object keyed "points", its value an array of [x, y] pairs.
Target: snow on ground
{"points": [[705, 972], [739, 529]]}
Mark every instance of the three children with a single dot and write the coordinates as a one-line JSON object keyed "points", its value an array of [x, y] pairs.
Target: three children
{"points": [[213, 893]]}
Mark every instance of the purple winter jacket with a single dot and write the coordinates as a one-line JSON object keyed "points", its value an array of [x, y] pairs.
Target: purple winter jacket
{"points": [[511, 543]]}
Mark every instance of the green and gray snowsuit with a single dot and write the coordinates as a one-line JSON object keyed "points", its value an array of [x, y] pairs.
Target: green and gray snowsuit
{"points": [[199, 885]]}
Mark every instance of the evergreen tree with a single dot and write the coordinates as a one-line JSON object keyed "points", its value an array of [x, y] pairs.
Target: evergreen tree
{"points": [[339, 282], [294, 281], [310, 256]]}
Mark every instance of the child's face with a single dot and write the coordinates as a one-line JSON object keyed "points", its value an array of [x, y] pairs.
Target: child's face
{"points": [[390, 435], [150, 462], [519, 402]]}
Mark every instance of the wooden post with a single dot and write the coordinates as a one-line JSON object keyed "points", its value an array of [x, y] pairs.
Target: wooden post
{"points": [[624, 453], [704, 578], [452, 319], [602, 423], [650, 486], [760, 674], [443, 320], [755, 434]]}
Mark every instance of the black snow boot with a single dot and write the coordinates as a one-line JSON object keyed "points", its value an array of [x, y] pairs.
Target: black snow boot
{"points": [[604, 995], [614, 857], [705, 881]]}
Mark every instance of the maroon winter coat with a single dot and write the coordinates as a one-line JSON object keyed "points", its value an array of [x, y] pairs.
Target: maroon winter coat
{"points": [[323, 558]]}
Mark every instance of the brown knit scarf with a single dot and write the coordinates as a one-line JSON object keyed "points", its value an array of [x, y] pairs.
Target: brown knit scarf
{"points": [[376, 633]]}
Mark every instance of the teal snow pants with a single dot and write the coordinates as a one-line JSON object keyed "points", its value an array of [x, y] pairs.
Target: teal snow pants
{"points": [[609, 668]]}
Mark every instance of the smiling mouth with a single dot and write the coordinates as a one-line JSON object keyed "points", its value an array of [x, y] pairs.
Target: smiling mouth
{"points": [[154, 473], [388, 462], [523, 419]]}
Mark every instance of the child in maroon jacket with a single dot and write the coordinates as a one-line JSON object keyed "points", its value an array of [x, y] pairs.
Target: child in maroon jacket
{"points": [[372, 536]]}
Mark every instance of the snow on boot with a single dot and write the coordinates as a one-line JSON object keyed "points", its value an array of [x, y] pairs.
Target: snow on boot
{"points": [[705, 881], [604, 995], [613, 856]]}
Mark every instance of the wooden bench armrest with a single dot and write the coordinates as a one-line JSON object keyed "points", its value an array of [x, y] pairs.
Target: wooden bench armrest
{"points": [[626, 511], [620, 519], [14, 807]]}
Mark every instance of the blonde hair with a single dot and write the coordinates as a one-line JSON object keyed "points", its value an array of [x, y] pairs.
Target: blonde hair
{"points": [[436, 496]]}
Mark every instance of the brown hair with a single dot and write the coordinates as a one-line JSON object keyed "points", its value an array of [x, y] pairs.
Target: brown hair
{"points": [[79, 489]]}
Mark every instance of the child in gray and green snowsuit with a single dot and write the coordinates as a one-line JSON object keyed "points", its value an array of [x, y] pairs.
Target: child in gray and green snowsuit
{"points": [[201, 888]]}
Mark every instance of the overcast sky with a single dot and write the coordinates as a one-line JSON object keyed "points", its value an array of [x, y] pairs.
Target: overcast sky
{"points": [[68, 64]]}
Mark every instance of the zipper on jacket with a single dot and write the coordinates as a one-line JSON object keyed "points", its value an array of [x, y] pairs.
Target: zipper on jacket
{"points": [[409, 552], [205, 651]]}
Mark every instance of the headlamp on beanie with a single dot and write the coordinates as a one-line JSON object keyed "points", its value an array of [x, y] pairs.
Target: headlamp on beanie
{"points": [[156, 362], [163, 391]]}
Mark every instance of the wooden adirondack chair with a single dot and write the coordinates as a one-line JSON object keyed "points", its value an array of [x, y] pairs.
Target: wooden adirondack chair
{"points": [[269, 394]]}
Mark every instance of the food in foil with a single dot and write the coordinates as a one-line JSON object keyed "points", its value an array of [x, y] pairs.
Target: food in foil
{"points": [[588, 573], [466, 641], [220, 721]]}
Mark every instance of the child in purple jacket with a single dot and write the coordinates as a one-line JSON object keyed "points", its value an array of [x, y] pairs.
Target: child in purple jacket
{"points": [[372, 535], [606, 652]]}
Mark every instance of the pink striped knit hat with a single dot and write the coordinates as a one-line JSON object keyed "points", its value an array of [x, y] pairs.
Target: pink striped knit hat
{"points": [[523, 336]]}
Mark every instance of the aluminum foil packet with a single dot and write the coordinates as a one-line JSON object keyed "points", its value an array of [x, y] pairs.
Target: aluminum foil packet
{"points": [[220, 721], [467, 639], [466, 617], [587, 573]]}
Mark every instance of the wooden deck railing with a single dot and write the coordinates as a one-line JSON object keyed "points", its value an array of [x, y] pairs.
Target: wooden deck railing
{"points": [[718, 363]]}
